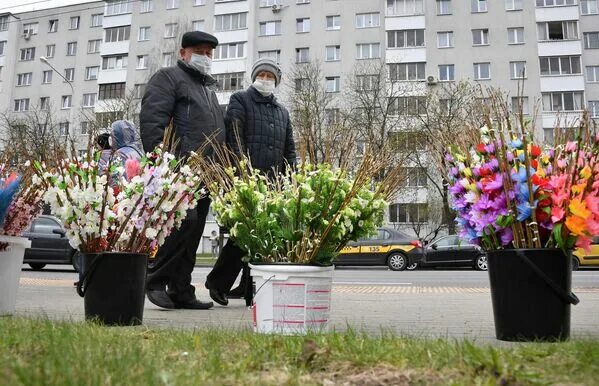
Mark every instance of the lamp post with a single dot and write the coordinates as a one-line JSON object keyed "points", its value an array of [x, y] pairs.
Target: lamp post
{"points": [[43, 59]]}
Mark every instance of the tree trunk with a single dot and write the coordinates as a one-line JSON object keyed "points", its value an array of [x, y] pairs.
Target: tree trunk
{"points": [[448, 213]]}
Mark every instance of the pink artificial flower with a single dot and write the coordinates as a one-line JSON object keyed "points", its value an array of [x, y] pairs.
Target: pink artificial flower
{"points": [[571, 146], [593, 225], [592, 203], [557, 214], [132, 168], [583, 242]]}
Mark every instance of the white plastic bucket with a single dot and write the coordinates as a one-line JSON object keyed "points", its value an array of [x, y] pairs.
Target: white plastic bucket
{"points": [[291, 299], [11, 261]]}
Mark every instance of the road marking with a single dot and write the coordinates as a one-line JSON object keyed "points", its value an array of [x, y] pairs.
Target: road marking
{"points": [[366, 283]]}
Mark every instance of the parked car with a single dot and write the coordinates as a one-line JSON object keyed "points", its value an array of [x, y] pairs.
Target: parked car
{"points": [[48, 244], [582, 258], [449, 251], [388, 247]]}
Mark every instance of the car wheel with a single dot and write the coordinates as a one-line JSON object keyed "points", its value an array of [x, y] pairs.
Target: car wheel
{"points": [[76, 261], [412, 266], [37, 266], [397, 262], [480, 264], [575, 264]]}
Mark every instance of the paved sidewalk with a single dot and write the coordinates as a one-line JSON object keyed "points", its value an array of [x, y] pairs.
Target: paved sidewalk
{"points": [[404, 310]]}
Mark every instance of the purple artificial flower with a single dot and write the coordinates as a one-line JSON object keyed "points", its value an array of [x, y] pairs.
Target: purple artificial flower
{"points": [[506, 236]]}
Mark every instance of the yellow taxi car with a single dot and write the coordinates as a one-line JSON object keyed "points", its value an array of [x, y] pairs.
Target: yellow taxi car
{"points": [[390, 247], [582, 258]]}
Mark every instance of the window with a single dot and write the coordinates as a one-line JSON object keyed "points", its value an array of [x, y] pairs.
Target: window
{"points": [[443, 7], [589, 7], [97, 20], [446, 72], [558, 30], [416, 177], [117, 34], [301, 84], [368, 51], [333, 53], [233, 21], [332, 84], [27, 54], [560, 65], [562, 101], [118, 7], [591, 40], [170, 30], [167, 59], [231, 81], [594, 109], [91, 73], [21, 105], [114, 62], [273, 54], [592, 73], [302, 55], [445, 39], [405, 38], [139, 90], [93, 46], [63, 130], [518, 70], [53, 25], [111, 91], [367, 82], [45, 103], [332, 116], [413, 105], [408, 141], [551, 3], [302, 2], [142, 62], [407, 71], [478, 6], [172, 4], [405, 7], [482, 71], [229, 51], [74, 22], [368, 20], [89, 100], [72, 49], [270, 28], [30, 28], [515, 35], [480, 37], [24, 79], [333, 23], [47, 76], [513, 5], [143, 34], [302, 25], [69, 73], [145, 6], [197, 25], [50, 50], [198, 3], [2, 46], [3, 23], [520, 101], [66, 101], [85, 128]]}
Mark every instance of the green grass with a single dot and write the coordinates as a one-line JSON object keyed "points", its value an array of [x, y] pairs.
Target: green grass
{"points": [[41, 352]]}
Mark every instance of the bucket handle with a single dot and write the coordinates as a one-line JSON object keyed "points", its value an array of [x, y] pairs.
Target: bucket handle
{"points": [[87, 275], [569, 298]]}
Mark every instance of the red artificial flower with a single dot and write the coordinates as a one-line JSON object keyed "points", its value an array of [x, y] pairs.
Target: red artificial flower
{"points": [[535, 150], [481, 148]]}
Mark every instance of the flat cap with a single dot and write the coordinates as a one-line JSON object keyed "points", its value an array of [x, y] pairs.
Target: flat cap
{"points": [[195, 38]]}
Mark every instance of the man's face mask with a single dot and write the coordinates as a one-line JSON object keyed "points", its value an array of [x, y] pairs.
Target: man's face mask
{"points": [[201, 63], [264, 86]]}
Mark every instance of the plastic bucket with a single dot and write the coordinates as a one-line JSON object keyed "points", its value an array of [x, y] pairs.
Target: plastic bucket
{"points": [[531, 294], [12, 250], [113, 287], [291, 299]]}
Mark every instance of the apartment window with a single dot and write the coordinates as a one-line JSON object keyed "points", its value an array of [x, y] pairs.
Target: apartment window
{"points": [[333, 22], [332, 116], [118, 7], [198, 3], [513, 5], [233, 21], [445, 39], [69, 73], [143, 34], [518, 70], [302, 25], [270, 28], [91, 73], [443, 7], [170, 30], [45, 103], [114, 62], [515, 35], [142, 62], [302, 2], [74, 22], [301, 84], [446, 72], [66, 101], [30, 28], [72, 49], [591, 40], [367, 82], [413, 105], [3, 23], [417, 177], [145, 6], [592, 73], [368, 51], [229, 51], [273, 54], [197, 25], [47, 76], [562, 101], [172, 4], [405, 7], [368, 20], [139, 90], [89, 100], [21, 105], [269, 3], [117, 34], [333, 53], [405, 38], [85, 129], [332, 84], [520, 101], [231, 81], [558, 30], [594, 109], [167, 59], [589, 7], [53, 25], [480, 37], [93, 46], [408, 141], [24, 79], [482, 71], [97, 20], [302, 55], [478, 6], [63, 129], [551, 3], [111, 91], [407, 71], [50, 50], [27, 53], [2, 46], [560, 65]]}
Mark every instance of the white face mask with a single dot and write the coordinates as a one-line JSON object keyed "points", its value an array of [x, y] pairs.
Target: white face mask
{"points": [[265, 86], [202, 63]]}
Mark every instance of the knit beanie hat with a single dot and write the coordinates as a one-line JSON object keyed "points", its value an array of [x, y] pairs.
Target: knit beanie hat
{"points": [[267, 64]]}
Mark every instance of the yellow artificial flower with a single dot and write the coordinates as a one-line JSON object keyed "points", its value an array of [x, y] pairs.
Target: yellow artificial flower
{"points": [[576, 225], [578, 188], [578, 208], [467, 172], [586, 172]]}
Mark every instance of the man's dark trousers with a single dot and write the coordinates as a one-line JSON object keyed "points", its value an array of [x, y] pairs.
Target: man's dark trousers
{"points": [[227, 267], [176, 259]]}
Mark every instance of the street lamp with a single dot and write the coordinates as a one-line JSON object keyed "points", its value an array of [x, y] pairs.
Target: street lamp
{"points": [[43, 59]]}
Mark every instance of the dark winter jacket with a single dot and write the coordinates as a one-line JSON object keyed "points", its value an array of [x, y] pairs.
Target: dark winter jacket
{"points": [[264, 129], [181, 93]]}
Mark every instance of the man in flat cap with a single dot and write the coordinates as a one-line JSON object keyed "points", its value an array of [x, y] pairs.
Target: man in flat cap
{"points": [[183, 94]]}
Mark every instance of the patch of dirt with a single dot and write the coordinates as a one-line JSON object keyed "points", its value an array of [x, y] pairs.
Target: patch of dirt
{"points": [[380, 375]]}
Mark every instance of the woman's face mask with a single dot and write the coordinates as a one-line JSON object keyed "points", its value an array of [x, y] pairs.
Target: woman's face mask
{"points": [[264, 86], [202, 63]]}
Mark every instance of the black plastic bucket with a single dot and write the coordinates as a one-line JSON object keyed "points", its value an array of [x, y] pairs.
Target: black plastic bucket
{"points": [[531, 294], [113, 287]]}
